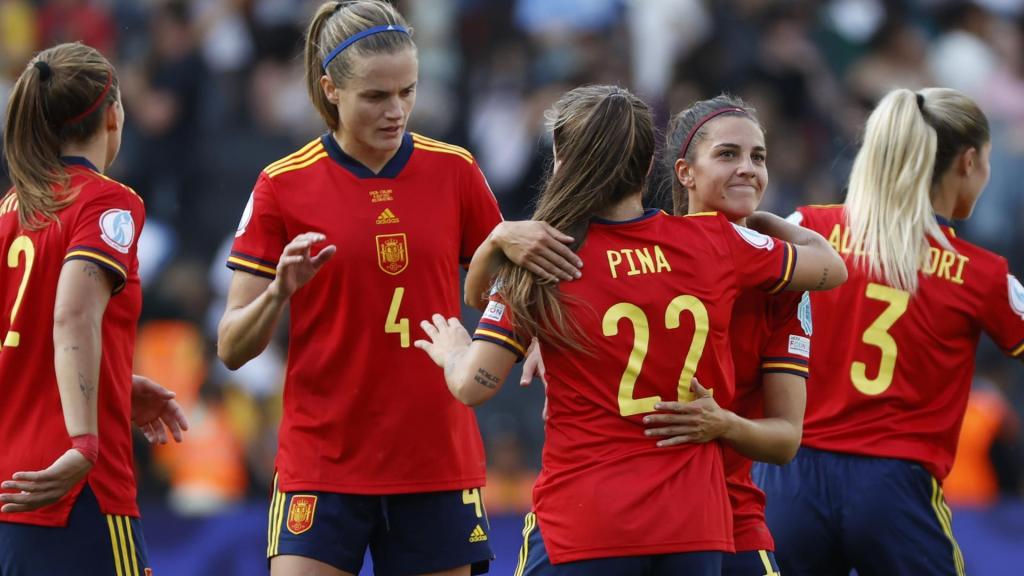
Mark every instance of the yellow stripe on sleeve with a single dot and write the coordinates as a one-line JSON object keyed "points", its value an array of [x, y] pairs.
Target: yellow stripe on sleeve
{"points": [[524, 552], [293, 156], [291, 167], [422, 146], [252, 265], [787, 273], [786, 366], [438, 144], [113, 544], [503, 338], [1018, 350], [99, 258]]}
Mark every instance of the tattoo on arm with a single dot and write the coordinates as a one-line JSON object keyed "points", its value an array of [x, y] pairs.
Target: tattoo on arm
{"points": [[92, 271], [485, 378], [85, 386], [824, 277]]}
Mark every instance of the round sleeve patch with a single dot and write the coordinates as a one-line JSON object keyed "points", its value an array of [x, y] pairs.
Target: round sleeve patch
{"points": [[803, 314], [117, 228], [795, 218], [755, 238], [1016, 294], [246, 217]]}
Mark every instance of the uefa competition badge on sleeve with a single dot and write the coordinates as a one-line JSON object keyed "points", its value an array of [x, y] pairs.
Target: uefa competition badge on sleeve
{"points": [[246, 216], [117, 229], [1016, 294], [755, 238]]}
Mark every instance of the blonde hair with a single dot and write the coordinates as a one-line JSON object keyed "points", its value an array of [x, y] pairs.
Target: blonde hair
{"points": [[910, 141], [50, 106], [604, 140], [332, 24]]}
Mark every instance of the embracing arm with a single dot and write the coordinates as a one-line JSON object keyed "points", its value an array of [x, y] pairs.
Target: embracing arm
{"points": [[473, 370], [774, 438], [818, 266]]}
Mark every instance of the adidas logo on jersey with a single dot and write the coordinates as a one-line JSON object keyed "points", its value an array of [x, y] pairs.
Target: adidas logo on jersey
{"points": [[387, 217], [478, 535]]}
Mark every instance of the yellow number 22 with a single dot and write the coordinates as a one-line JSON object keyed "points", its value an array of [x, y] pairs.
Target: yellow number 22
{"points": [[877, 335], [21, 245]]}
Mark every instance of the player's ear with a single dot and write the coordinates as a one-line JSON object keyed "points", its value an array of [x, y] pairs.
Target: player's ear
{"points": [[684, 173], [330, 90]]}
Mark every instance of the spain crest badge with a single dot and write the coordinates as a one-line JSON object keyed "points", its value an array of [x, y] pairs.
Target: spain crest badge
{"points": [[392, 253], [300, 513]]}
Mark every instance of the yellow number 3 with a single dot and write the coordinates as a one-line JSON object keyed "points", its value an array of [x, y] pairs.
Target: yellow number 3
{"points": [[877, 335], [21, 245]]}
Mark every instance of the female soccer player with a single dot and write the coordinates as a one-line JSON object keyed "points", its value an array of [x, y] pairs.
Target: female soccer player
{"points": [[652, 310], [69, 303], [718, 159], [894, 348], [374, 453]]}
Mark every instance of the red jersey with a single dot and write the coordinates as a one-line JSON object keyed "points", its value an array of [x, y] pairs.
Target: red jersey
{"points": [[769, 334], [364, 411], [656, 303], [101, 226], [895, 370]]}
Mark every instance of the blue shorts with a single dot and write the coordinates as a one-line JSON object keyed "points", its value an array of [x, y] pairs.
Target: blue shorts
{"points": [[830, 512], [406, 533], [533, 561], [92, 544], [750, 563]]}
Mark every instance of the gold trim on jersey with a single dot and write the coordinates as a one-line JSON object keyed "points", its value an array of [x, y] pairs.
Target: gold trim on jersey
{"points": [[785, 366], [252, 265], [946, 521], [317, 155], [425, 143], [1017, 351], [503, 338], [789, 267], [700, 214], [99, 258], [524, 552], [9, 204], [768, 570], [291, 157]]}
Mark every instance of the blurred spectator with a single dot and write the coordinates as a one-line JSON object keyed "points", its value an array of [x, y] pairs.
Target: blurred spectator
{"points": [[87, 21]]}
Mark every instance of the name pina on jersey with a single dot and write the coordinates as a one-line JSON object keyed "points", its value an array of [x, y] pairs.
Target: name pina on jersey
{"points": [[937, 261], [646, 260]]}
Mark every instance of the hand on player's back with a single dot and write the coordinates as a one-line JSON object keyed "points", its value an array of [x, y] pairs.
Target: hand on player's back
{"points": [[44, 487], [698, 421]]}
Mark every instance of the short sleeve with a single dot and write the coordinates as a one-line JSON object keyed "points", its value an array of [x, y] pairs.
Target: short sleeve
{"points": [[479, 212], [496, 327], [762, 262], [106, 231], [1002, 316], [260, 237], [788, 349]]}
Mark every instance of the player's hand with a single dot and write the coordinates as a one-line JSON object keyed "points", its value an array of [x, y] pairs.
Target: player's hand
{"points": [[533, 367], [156, 412], [539, 248], [698, 421], [297, 266], [44, 487], [447, 337]]}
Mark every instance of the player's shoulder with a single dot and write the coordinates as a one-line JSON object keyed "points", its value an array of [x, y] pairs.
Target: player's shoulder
{"points": [[440, 151], [297, 163], [989, 261], [824, 212], [93, 186]]}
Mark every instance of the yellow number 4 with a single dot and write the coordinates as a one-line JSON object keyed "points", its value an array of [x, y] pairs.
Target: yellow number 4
{"points": [[393, 325], [21, 245], [877, 335]]}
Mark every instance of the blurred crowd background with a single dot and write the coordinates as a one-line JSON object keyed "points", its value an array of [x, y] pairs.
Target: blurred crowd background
{"points": [[213, 92]]}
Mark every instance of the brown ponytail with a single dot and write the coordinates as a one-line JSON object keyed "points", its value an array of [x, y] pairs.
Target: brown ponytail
{"points": [[61, 97]]}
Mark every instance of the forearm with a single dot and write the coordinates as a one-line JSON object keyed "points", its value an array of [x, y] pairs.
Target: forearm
{"points": [[772, 440], [246, 331], [77, 344], [772, 225], [482, 268]]}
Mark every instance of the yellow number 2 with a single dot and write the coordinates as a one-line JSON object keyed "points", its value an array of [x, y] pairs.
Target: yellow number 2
{"points": [[21, 245], [628, 405], [393, 325], [877, 335]]}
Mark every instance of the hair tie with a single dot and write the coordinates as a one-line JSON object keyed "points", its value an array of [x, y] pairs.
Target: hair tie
{"points": [[96, 103], [45, 72], [703, 121], [359, 36], [920, 101]]}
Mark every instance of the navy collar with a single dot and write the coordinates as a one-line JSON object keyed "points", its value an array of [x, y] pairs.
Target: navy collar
{"points": [[943, 221], [390, 170], [648, 213], [79, 161]]}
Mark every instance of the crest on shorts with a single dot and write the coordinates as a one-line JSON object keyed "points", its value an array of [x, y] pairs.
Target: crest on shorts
{"points": [[1016, 294], [300, 513], [392, 253]]}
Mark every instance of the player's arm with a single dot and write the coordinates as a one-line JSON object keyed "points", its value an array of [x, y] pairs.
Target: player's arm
{"points": [[83, 291], [532, 244], [473, 369], [255, 304], [817, 267]]}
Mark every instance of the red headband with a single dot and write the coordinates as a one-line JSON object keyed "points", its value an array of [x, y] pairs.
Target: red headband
{"points": [[96, 104], [703, 121]]}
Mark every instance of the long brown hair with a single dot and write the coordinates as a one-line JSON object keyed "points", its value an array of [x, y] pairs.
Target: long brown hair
{"points": [[680, 126], [332, 24], [604, 143], [59, 98]]}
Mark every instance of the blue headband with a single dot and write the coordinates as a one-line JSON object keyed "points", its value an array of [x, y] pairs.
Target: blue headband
{"points": [[359, 36]]}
